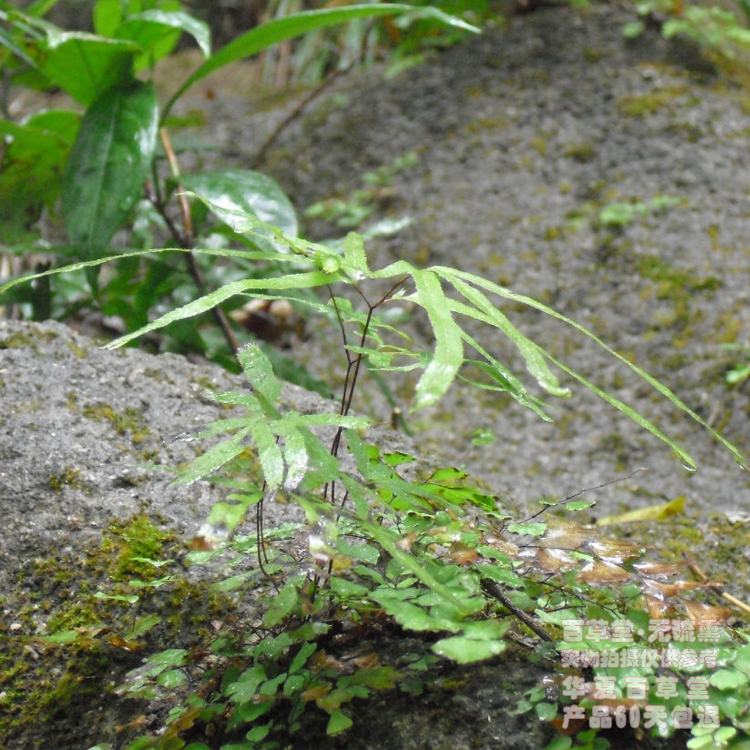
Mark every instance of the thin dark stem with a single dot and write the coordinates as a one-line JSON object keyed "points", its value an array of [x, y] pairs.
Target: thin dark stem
{"points": [[186, 239], [494, 590], [350, 384], [583, 491], [352, 369]]}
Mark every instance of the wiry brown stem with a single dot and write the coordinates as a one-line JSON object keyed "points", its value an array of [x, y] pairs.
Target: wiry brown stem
{"points": [[494, 590], [186, 239]]}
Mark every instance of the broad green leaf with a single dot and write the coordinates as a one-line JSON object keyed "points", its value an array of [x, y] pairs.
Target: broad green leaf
{"points": [[171, 679], [142, 625], [411, 616], [465, 650], [546, 711], [107, 15], [579, 504], [225, 517], [129, 598], [149, 28], [64, 636], [108, 164], [486, 630], [345, 589], [282, 604], [267, 34], [531, 528], [302, 656], [385, 538], [258, 733], [448, 355], [85, 66], [728, 679], [31, 168], [243, 192]]}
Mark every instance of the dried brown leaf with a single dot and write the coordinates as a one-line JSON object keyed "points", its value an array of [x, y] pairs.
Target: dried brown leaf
{"points": [[601, 571], [663, 590], [315, 693], [614, 551], [555, 560], [658, 608], [653, 569], [698, 611], [463, 554], [323, 660], [566, 535]]}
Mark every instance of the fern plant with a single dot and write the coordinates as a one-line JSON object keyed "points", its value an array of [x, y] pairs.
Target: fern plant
{"points": [[433, 553]]}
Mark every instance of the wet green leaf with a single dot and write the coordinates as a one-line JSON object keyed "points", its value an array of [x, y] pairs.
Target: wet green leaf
{"points": [[482, 309], [157, 32], [546, 711], [448, 355], [108, 165], [142, 625], [209, 301], [31, 168], [282, 604], [302, 656], [86, 66], [579, 504], [127, 598], [354, 256], [464, 650], [214, 458], [107, 15], [259, 733], [259, 371], [230, 193], [171, 679], [346, 589], [244, 688], [269, 453]]}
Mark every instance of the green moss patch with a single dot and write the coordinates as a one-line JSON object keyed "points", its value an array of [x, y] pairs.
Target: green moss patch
{"points": [[76, 623], [129, 421]]}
